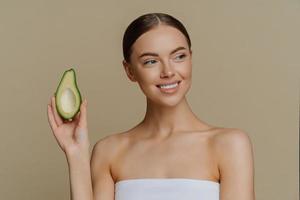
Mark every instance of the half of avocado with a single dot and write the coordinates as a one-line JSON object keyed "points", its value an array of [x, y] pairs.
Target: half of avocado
{"points": [[67, 96]]}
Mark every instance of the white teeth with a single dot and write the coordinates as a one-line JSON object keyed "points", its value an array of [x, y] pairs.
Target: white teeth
{"points": [[168, 86]]}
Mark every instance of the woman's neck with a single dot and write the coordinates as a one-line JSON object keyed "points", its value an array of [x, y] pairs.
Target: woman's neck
{"points": [[163, 121]]}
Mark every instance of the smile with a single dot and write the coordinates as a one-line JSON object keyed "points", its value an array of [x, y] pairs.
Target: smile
{"points": [[169, 88]]}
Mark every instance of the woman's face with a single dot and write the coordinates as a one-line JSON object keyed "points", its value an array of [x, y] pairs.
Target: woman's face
{"points": [[161, 56]]}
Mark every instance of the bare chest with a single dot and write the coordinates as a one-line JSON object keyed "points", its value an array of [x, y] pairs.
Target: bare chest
{"points": [[182, 156]]}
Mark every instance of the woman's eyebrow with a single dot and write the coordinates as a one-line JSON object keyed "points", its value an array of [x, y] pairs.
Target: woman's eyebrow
{"points": [[155, 54]]}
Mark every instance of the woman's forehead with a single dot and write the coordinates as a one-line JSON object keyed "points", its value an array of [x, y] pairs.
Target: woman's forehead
{"points": [[162, 39]]}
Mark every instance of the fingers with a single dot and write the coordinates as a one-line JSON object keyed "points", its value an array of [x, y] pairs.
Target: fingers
{"points": [[51, 119], [83, 114], [57, 118], [77, 117]]}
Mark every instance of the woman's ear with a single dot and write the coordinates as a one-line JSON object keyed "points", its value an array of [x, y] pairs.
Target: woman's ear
{"points": [[129, 71]]}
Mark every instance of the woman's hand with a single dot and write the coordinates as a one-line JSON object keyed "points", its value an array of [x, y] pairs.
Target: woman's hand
{"points": [[72, 136]]}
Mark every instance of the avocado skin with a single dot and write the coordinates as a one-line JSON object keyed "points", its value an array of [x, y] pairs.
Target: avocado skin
{"points": [[79, 94]]}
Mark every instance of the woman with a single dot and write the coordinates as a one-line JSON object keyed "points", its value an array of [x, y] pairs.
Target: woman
{"points": [[171, 153]]}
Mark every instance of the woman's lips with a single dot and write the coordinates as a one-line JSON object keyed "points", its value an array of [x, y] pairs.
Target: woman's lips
{"points": [[168, 83], [169, 90]]}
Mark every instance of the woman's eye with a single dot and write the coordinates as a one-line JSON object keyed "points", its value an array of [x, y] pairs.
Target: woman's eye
{"points": [[148, 62], [181, 56], [153, 61]]}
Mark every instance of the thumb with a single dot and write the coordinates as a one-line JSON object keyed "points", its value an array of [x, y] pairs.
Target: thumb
{"points": [[83, 114]]}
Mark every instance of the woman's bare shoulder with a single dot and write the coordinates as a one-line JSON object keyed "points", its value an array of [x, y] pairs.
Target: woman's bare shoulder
{"points": [[234, 153], [110, 143], [225, 136], [228, 141]]}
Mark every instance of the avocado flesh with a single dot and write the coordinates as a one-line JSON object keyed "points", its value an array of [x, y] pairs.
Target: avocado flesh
{"points": [[67, 96]]}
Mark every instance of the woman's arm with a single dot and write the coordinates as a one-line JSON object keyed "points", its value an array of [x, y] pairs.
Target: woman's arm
{"points": [[236, 165], [80, 176], [72, 137], [102, 180]]}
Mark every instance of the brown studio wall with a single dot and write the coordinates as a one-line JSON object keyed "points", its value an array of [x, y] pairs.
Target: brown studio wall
{"points": [[246, 70]]}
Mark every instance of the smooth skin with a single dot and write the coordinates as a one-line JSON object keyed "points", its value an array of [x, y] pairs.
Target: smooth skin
{"points": [[72, 137], [171, 141]]}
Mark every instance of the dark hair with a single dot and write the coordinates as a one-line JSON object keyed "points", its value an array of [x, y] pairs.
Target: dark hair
{"points": [[143, 24]]}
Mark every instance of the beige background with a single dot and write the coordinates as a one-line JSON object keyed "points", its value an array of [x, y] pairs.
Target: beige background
{"points": [[246, 66]]}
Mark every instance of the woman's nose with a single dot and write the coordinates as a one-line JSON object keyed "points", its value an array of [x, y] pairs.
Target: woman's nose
{"points": [[167, 70]]}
